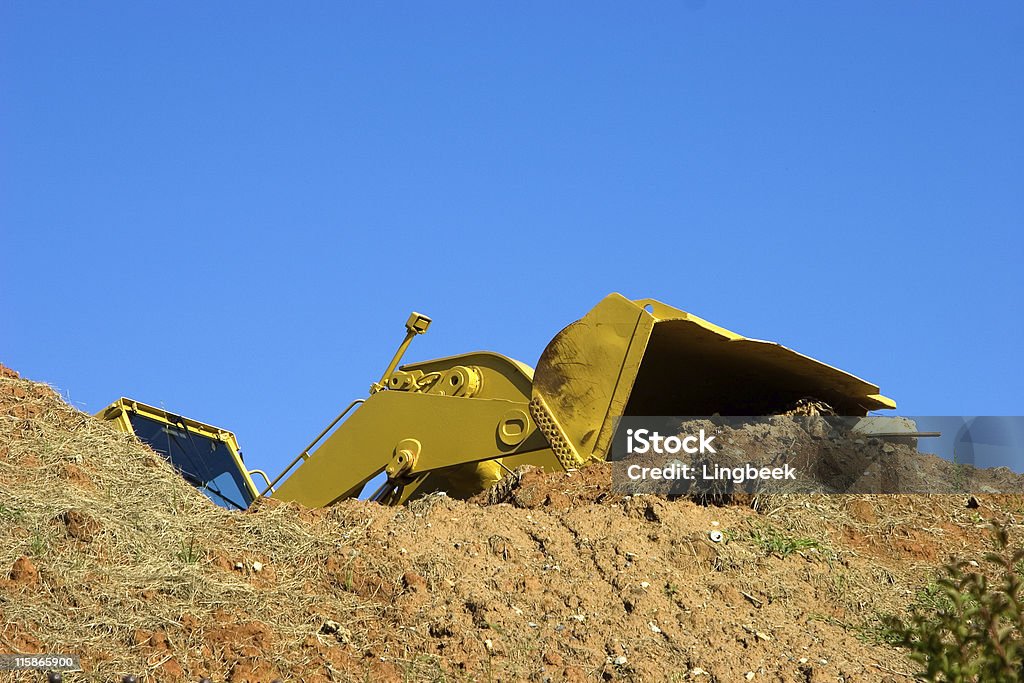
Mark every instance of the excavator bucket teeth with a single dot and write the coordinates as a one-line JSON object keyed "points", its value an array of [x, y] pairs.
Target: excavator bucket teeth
{"points": [[646, 358]]}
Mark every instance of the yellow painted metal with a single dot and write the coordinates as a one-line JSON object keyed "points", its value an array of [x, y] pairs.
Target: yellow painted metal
{"points": [[416, 324], [119, 409], [117, 414], [458, 424], [644, 357], [304, 455], [454, 424]]}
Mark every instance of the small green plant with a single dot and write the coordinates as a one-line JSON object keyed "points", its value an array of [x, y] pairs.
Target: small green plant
{"points": [[967, 626], [13, 514], [837, 582], [38, 546], [188, 552], [873, 631], [961, 474], [349, 580], [774, 542], [933, 598]]}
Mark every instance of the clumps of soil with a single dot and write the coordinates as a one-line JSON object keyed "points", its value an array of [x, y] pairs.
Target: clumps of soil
{"points": [[531, 487], [548, 577], [826, 456]]}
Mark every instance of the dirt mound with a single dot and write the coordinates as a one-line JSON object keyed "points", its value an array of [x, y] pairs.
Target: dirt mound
{"points": [[112, 557], [827, 455]]}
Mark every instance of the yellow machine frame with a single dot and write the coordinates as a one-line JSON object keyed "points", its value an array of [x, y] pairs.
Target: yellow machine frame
{"points": [[118, 411], [459, 423]]}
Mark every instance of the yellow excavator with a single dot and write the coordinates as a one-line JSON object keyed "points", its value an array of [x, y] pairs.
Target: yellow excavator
{"points": [[458, 424]]}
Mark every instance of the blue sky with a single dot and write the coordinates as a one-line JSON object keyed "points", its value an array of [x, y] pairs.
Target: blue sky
{"points": [[229, 209]]}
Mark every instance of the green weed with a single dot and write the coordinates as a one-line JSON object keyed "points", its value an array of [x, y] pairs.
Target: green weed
{"points": [[774, 542], [966, 626]]}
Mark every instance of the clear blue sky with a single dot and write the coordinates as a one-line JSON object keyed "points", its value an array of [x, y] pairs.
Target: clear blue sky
{"points": [[229, 209]]}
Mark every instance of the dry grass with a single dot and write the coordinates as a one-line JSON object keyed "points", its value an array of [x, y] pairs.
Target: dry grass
{"points": [[164, 553]]}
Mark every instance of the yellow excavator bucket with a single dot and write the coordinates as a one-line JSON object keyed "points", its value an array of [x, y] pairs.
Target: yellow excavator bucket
{"points": [[634, 358]]}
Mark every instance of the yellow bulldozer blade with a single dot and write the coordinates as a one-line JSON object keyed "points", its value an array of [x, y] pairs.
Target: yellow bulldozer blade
{"points": [[646, 358]]}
